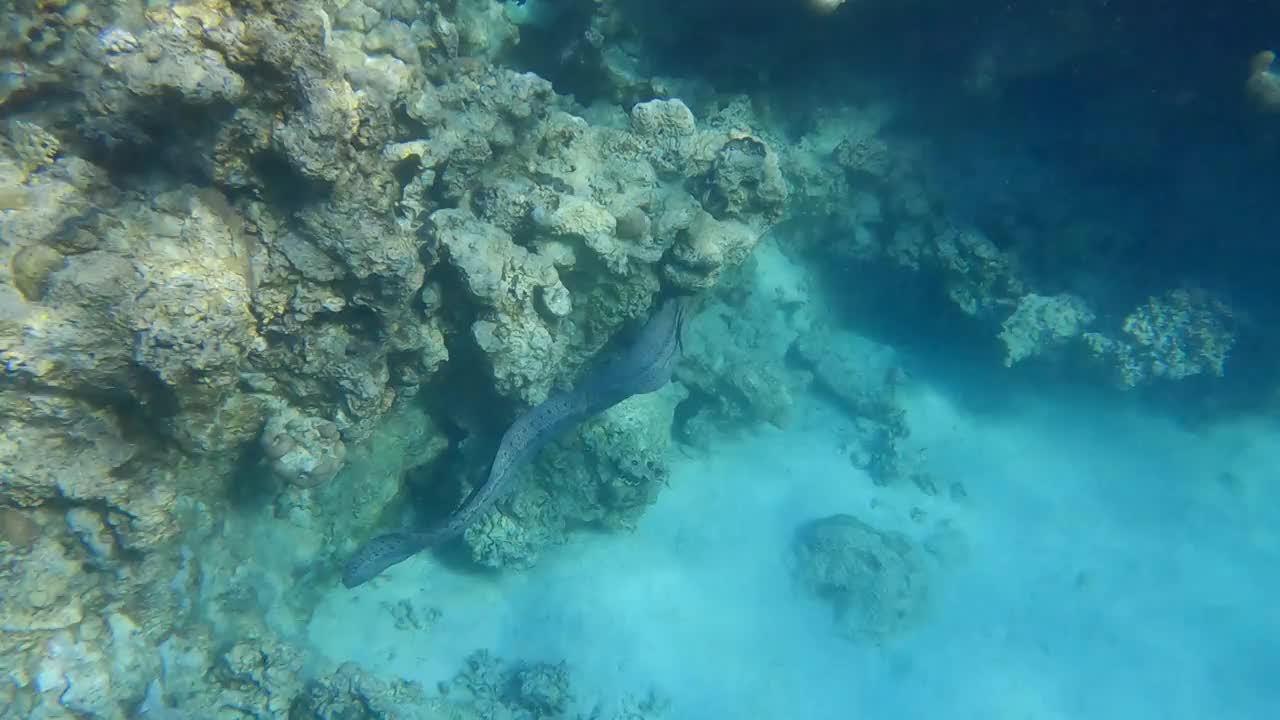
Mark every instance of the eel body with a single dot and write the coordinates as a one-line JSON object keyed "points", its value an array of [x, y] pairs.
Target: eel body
{"points": [[644, 367]]}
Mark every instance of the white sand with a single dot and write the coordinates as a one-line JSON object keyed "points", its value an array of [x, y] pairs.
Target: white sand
{"points": [[1110, 574]]}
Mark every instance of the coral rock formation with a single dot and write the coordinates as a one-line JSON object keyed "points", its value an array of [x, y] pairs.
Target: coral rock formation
{"points": [[1177, 335], [873, 579]]}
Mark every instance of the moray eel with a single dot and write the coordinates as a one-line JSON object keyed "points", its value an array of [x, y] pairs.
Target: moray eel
{"points": [[644, 367]]}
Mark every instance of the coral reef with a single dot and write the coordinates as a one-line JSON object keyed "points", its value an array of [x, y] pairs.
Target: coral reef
{"points": [[260, 261], [523, 244], [487, 687], [872, 578], [1042, 323], [1180, 334], [240, 242]]}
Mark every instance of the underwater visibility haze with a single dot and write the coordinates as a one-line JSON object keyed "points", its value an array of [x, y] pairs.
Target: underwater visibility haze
{"points": [[639, 359]]}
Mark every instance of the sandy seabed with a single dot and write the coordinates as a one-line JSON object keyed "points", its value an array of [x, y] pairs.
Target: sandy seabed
{"points": [[1113, 565]]}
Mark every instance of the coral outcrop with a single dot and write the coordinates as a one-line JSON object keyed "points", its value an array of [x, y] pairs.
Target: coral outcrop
{"points": [[1177, 335], [304, 451], [873, 579], [1042, 323]]}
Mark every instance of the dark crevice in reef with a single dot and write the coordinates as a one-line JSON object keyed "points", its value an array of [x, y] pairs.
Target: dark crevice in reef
{"points": [[406, 170], [251, 482], [281, 184], [46, 101], [273, 84], [436, 489], [465, 386], [156, 399], [430, 493], [156, 137], [408, 125], [366, 324]]}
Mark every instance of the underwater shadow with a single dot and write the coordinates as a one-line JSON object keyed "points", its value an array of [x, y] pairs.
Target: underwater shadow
{"points": [[251, 483]]}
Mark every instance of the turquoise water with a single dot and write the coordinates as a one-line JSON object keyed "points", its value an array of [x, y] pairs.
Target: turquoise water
{"points": [[568, 359]]}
